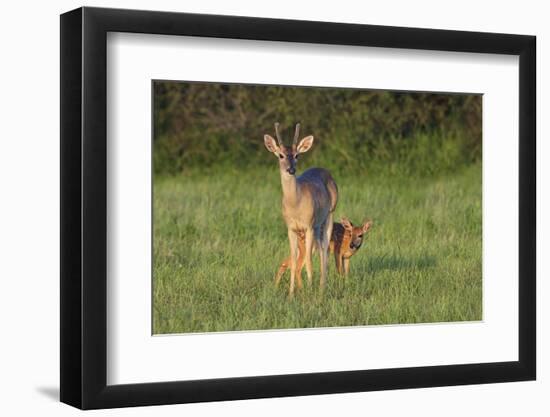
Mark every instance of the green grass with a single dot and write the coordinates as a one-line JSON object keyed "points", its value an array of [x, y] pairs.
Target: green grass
{"points": [[219, 238]]}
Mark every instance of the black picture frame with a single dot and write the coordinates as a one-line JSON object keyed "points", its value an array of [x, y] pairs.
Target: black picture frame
{"points": [[84, 207]]}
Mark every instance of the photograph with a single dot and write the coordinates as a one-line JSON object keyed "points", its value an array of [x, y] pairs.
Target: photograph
{"points": [[234, 185], [292, 207]]}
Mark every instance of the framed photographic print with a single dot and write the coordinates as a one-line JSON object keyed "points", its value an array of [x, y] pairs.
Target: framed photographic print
{"points": [[257, 207]]}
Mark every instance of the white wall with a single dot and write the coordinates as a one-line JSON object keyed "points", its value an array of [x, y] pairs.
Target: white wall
{"points": [[29, 177]]}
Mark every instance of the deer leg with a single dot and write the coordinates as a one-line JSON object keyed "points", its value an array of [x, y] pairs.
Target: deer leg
{"points": [[336, 248], [323, 252], [346, 267], [281, 271], [293, 240], [300, 261], [327, 233], [338, 260], [323, 259], [308, 250], [318, 237]]}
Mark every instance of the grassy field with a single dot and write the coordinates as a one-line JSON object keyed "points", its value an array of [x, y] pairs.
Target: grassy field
{"points": [[219, 238]]}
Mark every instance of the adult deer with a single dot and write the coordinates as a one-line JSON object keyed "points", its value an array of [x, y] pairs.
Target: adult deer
{"points": [[308, 204]]}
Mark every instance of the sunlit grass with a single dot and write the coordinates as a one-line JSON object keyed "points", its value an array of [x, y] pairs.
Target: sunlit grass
{"points": [[219, 237]]}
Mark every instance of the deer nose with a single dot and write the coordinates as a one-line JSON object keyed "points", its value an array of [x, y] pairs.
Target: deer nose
{"points": [[291, 171]]}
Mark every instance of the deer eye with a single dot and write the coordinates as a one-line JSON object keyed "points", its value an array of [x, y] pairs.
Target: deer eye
{"points": [[360, 236], [296, 156], [281, 156]]}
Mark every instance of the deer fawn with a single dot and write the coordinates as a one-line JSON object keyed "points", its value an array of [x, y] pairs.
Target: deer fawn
{"points": [[308, 204], [345, 241]]}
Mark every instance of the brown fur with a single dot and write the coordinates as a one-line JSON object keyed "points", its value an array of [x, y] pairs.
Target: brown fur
{"points": [[308, 203], [345, 241]]}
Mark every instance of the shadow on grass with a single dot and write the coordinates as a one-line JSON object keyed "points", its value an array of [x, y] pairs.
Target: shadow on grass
{"points": [[393, 263]]}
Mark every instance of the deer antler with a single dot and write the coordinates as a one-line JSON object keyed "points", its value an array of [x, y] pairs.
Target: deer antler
{"points": [[296, 134], [278, 135]]}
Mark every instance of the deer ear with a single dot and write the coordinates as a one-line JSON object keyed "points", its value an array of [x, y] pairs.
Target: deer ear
{"points": [[367, 225], [305, 144], [346, 223], [270, 144]]}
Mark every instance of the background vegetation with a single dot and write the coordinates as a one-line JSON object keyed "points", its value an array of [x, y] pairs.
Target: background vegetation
{"points": [[411, 162], [205, 125]]}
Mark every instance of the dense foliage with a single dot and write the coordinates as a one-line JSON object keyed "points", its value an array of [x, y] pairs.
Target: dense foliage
{"points": [[216, 125]]}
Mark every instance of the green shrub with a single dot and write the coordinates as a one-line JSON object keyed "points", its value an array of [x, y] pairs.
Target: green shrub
{"points": [[221, 125]]}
